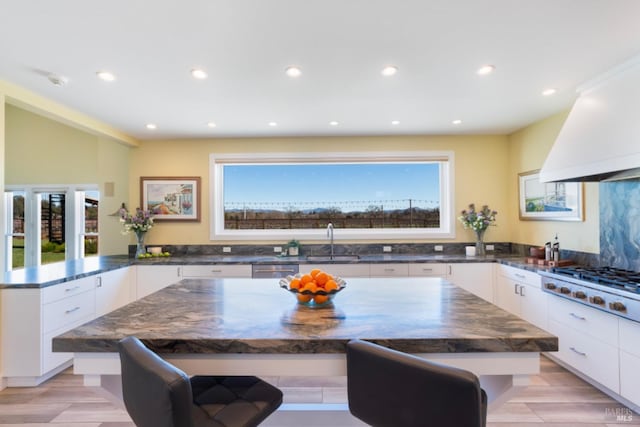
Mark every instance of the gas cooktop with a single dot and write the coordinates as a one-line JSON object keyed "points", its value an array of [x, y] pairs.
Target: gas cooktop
{"points": [[610, 289], [607, 276]]}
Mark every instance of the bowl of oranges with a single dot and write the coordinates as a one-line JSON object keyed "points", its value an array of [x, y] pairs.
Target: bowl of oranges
{"points": [[316, 288]]}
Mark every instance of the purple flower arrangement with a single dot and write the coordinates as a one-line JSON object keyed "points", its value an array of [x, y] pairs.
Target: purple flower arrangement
{"points": [[477, 220], [140, 222]]}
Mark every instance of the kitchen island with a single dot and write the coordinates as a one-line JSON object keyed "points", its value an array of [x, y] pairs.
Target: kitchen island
{"points": [[251, 326]]}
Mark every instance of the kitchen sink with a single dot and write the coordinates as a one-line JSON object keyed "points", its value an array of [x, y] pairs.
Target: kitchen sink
{"points": [[329, 258]]}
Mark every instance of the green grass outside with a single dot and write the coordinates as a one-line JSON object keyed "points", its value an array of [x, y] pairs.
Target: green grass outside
{"points": [[46, 257]]}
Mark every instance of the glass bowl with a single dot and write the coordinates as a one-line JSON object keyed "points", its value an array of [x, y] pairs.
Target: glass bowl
{"points": [[308, 298]]}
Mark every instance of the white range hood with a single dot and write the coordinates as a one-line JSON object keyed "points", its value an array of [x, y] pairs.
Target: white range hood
{"points": [[600, 139]]}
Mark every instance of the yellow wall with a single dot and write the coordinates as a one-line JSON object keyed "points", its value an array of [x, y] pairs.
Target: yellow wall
{"points": [[480, 173], [528, 149], [43, 151]]}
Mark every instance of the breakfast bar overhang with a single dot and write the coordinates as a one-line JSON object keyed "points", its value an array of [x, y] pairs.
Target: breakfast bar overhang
{"points": [[252, 327]]}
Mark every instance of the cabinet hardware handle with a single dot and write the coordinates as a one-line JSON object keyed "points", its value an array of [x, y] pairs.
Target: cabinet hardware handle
{"points": [[389, 269], [577, 317], [73, 288], [522, 291], [99, 280], [449, 270], [216, 271], [515, 289], [178, 271], [577, 351], [520, 276], [427, 269], [71, 310]]}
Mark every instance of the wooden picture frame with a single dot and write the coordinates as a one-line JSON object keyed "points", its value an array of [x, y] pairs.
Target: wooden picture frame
{"points": [[553, 201], [171, 198]]}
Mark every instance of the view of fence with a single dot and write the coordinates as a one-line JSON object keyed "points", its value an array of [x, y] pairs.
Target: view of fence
{"points": [[407, 213]]}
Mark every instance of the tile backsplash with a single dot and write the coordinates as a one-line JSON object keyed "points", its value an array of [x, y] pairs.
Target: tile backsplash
{"points": [[620, 224]]}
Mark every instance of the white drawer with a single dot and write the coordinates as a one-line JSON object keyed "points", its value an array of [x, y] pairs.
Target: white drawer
{"points": [[630, 377], [389, 270], [630, 337], [59, 314], [588, 355], [235, 270], [340, 270], [67, 289], [598, 324], [519, 275], [428, 269]]}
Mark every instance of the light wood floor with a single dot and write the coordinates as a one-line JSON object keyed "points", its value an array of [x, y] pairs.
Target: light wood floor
{"points": [[555, 398]]}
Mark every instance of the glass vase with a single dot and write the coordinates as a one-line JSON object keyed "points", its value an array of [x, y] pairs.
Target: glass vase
{"points": [[140, 248], [480, 243]]}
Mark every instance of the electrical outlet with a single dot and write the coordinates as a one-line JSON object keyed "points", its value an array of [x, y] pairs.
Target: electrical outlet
{"points": [[277, 249], [226, 249], [438, 248], [386, 249], [490, 247]]}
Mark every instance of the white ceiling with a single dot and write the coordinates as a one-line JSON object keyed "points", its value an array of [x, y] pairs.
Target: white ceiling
{"points": [[341, 46]]}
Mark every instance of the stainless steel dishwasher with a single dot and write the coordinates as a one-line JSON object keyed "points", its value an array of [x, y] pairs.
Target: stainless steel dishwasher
{"points": [[260, 271]]}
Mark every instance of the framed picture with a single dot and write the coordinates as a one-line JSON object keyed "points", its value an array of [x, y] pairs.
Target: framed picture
{"points": [[549, 201], [171, 198]]}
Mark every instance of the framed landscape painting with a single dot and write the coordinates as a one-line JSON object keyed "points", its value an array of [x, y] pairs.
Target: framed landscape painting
{"points": [[171, 198], [549, 201]]}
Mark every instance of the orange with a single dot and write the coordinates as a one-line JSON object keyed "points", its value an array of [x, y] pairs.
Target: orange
{"points": [[314, 272], [321, 278], [320, 299], [330, 285], [311, 286], [306, 278], [295, 283], [304, 298]]}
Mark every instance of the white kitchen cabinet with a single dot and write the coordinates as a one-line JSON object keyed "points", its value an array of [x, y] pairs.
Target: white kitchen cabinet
{"points": [[340, 270], [428, 270], [475, 277], [36, 316], [588, 340], [215, 271], [629, 360], [519, 292], [389, 270], [152, 278], [114, 289]]}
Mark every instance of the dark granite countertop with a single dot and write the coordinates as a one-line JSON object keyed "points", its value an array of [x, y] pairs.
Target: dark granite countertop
{"points": [[416, 315], [52, 274], [60, 272]]}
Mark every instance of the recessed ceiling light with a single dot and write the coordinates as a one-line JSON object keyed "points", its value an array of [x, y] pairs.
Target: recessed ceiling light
{"points": [[58, 80], [395, 122], [549, 92], [333, 123], [106, 76], [211, 124], [486, 69], [293, 71], [151, 126], [273, 124], [456, 121], [389, 70], [199, 73]]}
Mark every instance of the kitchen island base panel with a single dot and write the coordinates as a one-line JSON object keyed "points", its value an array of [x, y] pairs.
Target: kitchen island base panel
{"points": [[501, 374]]}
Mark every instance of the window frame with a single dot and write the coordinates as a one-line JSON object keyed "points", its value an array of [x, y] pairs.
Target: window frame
{"points": [[74, 221], [216, 196]]}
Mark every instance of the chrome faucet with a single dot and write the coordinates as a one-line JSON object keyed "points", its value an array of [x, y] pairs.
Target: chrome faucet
{"points": [[330, 236]]}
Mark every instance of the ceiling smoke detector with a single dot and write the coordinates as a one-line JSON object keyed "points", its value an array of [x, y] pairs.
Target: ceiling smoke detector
{"points": [[58, 80]]}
